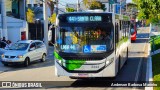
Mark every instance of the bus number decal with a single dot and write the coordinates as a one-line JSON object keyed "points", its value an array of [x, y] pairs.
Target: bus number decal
{"points": [[68, 47], [94, 66]]}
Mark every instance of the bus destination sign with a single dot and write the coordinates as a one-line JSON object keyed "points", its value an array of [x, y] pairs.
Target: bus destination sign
{"points": [[76, 19]]}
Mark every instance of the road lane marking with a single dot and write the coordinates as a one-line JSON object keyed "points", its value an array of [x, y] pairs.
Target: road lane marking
{"points": [[139, 66]]}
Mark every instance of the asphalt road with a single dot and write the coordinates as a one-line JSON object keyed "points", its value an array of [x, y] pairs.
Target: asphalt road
{"points": [[134, 70]]}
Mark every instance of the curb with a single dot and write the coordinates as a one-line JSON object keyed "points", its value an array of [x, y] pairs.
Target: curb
{"points": [[149, 76]]}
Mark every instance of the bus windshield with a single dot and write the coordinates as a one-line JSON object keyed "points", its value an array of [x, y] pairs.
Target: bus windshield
{"points": [[90, 39]]}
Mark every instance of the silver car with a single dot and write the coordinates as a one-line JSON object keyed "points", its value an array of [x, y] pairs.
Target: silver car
{"points": [[24, 52]]}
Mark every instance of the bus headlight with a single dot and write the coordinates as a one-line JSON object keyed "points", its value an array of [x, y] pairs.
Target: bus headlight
{"points": [[109, 61]]}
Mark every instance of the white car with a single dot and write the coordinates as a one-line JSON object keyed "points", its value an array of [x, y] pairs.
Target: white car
{"points": [[24, 52]]}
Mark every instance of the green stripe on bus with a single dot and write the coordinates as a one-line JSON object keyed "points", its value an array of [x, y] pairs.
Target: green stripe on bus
{"points": [[70, 64], [74, 64], [57, 56]]}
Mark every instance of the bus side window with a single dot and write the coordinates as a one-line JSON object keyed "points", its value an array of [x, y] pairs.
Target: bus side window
{"points": [[128, 28], [125, 29], [122, 29]]}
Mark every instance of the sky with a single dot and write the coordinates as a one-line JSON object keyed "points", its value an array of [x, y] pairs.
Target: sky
{"points": [[63, 2]]}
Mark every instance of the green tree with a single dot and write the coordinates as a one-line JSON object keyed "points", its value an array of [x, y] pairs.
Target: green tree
{"points": [[93, 4], [70, 9], [52, 19], [148, 9], [87, 3], [96, 5], [132, 10], [30, 15]]}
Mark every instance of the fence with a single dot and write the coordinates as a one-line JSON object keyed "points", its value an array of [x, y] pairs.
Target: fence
{"points": [[155, 38]]}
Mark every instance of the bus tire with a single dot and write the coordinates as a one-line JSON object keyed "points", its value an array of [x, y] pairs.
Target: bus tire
{"points": [[119, 64], [113, 78], [73, 77], [126, 57], [80, 78]]}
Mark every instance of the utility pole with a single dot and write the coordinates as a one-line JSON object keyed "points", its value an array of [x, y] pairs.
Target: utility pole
{"points": [[45, 16], [120, 7], [114, 8], [56, 1], [3, 20], [78, 5], [126, 8]]}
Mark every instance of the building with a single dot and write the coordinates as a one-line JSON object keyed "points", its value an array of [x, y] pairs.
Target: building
{"points": [[37, 7], [16, 25]]}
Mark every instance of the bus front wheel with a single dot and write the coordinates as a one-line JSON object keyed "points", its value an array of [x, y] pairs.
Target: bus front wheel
{"points": [[119, 64], [126, 57]]}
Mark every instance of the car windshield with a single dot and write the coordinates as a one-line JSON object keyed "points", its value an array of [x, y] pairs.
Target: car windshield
{"points": [[98, 39], [19, 46]]}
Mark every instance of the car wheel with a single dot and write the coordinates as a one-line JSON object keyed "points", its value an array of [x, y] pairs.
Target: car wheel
{"points": [[26, 62], [43, 58]]}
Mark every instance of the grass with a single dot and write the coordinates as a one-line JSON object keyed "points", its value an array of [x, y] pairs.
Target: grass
{"points": [[156, 70], [156, 42], [156, 61]]}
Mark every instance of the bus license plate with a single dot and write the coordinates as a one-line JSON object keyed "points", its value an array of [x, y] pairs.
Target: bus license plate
{"points": [[82, 74]]}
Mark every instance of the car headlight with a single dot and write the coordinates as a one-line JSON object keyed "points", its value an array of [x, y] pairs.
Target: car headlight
{"points": [[2, 55], [20, 56]]}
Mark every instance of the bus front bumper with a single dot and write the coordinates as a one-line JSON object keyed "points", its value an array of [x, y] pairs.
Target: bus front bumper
{"points": [[108, 71]]}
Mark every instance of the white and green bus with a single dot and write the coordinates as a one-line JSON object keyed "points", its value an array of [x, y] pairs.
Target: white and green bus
{"points": [[91, 44]]}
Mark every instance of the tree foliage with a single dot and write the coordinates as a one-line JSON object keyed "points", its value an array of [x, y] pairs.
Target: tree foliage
{"points": [[132, 10], [93, 4], [87, 3], [52, 19], [149, 9], [96, 5], [70, 9], [30, 15], [131, 6]]}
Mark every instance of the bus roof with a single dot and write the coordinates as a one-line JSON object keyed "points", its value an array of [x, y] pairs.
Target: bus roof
{"points": [[87, 12]]}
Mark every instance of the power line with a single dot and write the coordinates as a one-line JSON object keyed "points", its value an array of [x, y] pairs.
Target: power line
{"points": [[61, 4]]}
